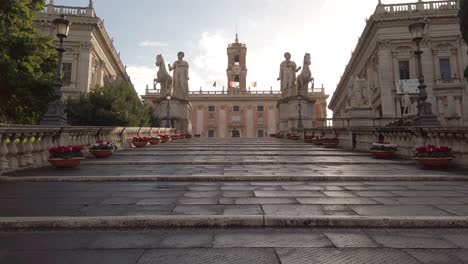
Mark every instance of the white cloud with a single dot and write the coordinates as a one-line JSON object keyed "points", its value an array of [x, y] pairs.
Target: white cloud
{"points": [[210, 61], [149, 43], [141, 76]]}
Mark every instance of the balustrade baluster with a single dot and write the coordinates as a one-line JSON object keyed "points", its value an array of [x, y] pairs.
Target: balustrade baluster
{"points": [[28, 149], [3, 154]]}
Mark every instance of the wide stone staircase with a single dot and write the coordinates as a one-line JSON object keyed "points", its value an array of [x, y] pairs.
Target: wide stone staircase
{"points": [[258, 185]]}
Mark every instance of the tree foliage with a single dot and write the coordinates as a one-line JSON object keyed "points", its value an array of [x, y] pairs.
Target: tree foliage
{"points": [[463, 14], [115, 104], [28, 62]]}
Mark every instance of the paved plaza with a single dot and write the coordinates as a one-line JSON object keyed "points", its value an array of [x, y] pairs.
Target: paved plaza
{"points": [[235, 201]]}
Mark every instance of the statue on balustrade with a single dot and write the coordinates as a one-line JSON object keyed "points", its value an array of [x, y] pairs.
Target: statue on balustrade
{"points": [[163, 77], [181, 77], [288, 70], [305, 77]]}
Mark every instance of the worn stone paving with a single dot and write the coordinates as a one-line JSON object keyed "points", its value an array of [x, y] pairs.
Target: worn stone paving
{"points": [[237, 246], [243, 159], [234, 198]]}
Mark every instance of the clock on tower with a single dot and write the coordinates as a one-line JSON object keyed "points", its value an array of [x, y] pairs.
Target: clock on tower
{"points": [[237, 69]]}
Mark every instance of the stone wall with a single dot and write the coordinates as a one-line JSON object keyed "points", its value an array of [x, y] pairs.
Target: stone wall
{"points": [[407, 138], [23, 147]]}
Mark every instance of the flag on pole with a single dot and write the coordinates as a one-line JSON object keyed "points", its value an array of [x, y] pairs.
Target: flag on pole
{"points": [[254, 84], [214, 84], [233, 84]]}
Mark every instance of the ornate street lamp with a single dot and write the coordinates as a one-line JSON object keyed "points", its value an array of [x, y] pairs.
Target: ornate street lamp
{"points": [[425, 115], [168, 122], [300, 126], [55, 115]]}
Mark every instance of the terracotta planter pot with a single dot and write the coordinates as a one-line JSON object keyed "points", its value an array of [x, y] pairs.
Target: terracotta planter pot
{"points": [[330, 145], [381, 154], [139, 144], [66, 163], [154, 142], [434, 163], [101, 154]]}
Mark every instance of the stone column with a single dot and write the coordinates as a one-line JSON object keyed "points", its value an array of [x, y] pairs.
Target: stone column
{"points": [[200, 121], [386, 82], [222, 122], [84, 70], [249, 122]]}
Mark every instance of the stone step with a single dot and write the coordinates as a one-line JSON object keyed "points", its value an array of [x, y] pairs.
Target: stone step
{"points": [[237, 153], [224, 221]]}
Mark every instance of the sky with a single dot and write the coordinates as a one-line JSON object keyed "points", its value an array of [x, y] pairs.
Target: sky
{"points": [[327, 29]]}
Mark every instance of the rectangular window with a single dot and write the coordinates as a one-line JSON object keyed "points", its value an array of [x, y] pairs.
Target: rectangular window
{"points": [[66, 73], [211, 133], [445, 71], [236, 108], [260, 108], [211, 108], [260, 133], [404, 70]]}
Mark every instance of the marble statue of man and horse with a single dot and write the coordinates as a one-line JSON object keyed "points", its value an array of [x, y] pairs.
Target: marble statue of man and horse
{"points": [[305, 77], [163, 77]]}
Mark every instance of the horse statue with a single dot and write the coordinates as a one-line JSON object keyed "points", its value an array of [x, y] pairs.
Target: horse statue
{"points": [[305, 77], [163, 77]]}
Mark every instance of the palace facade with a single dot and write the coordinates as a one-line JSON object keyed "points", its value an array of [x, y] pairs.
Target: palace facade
{"points": [[237, 109], [90, 58], [379, 84]]}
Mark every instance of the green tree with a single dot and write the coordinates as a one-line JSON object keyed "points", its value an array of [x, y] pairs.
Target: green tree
{"points": [[115, 104], [463, 14], [28, 62]]}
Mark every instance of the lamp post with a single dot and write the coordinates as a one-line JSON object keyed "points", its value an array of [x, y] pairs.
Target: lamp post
{"points": [[425, 115], [300, 126], [55, 115], [168, 122]]}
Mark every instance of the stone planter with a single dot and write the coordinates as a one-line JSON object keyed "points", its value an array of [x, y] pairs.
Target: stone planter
{"points": [[309, 141], [434, 163], [330, 144], [101, 154], [140, 144], [164, 141], [66, 163], [154, 142], [382, 154]]}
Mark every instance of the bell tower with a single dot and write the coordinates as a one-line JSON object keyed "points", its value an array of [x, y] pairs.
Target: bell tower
{"points": [[237, 67]]}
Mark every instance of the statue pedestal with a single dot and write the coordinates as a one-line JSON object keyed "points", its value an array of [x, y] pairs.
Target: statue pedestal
{"points": [[179, 110], [361, 116], [289, 112]]}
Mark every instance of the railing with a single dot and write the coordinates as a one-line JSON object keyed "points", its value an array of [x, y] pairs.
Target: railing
{"points": [[27, 146], [407, 138], [420, 6], [451, 81], [348, 122], [68, 10], [203, 93]]}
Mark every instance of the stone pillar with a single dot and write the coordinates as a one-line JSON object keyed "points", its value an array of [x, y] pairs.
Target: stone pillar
{"points": [[84, 70], [249, 122], [386, 82], [200, 120], [271, 120], [222, 122], [289, 114]]}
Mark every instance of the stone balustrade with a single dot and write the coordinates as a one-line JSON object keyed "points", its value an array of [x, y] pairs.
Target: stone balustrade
{"points": [[69, 10], [28, 146], [407, 138], [313, 91], [417, 7]]}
